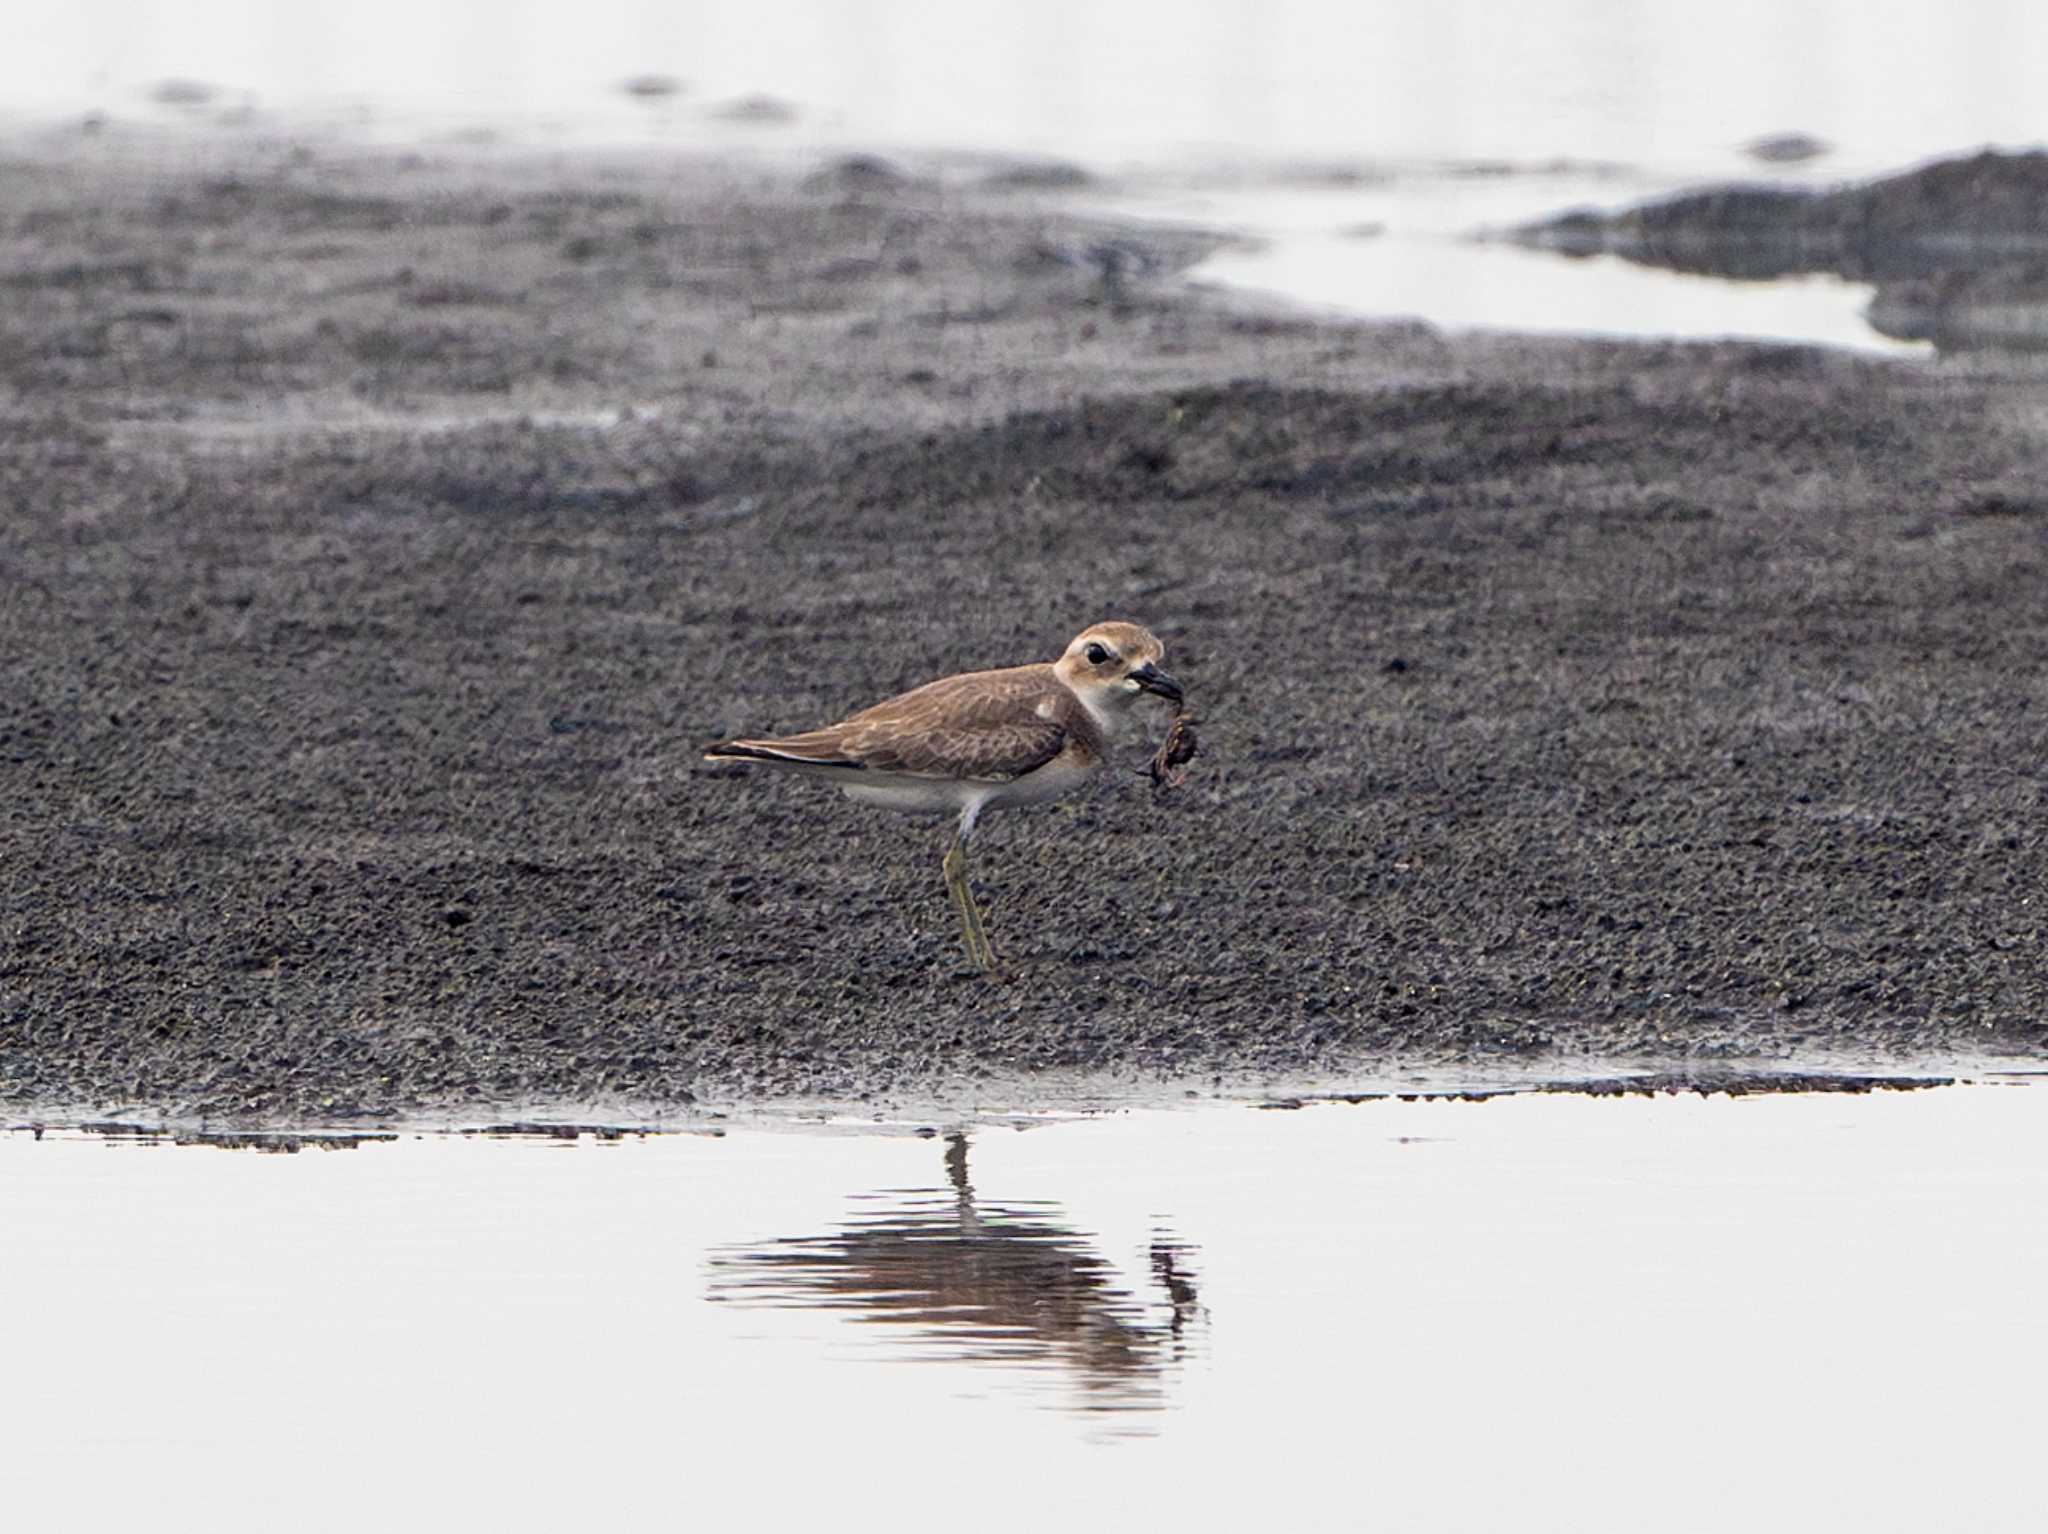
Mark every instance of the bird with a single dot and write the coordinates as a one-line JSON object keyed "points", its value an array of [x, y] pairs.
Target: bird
{"points": [[980, 740]]}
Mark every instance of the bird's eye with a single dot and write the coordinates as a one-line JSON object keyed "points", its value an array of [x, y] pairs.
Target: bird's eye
{"points": [[1096, 654]]}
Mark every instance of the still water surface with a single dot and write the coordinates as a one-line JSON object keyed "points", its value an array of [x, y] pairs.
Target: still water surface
{"points": [[1540, 1312]]}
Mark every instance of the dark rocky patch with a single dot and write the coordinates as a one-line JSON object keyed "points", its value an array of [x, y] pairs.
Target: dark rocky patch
{"points": [[266, 1141], [189, 94], [1038, 176], [1787, 148], [604, 1133], [860, 175], [652, 87], [1958, 248], [1743, 1084], [1972, 214], [757, 110], [1709, 1081]]}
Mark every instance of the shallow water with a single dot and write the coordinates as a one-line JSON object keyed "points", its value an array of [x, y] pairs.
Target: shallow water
{"points": [[1426, 244], [1537, 1312]]}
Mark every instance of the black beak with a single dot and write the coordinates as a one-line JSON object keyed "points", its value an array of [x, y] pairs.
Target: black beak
{"points": [[1152, 679]]}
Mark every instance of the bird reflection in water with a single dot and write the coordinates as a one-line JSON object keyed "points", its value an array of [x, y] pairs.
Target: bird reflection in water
{"points": [[1005, 1284]]}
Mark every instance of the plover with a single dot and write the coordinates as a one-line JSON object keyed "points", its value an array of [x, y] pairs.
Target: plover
{"points": [[980, 740]]}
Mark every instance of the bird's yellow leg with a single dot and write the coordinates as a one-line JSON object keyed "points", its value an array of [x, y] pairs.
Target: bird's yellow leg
{"points": [[971, 932]]}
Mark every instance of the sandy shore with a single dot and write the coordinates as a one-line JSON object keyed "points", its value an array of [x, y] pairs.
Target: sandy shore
{"points": [[384, 536]]}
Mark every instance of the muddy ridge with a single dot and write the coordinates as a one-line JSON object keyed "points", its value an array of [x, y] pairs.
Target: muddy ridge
{"points": [[384, 539], [1958, 249]]}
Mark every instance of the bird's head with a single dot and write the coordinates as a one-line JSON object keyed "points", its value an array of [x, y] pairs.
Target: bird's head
{"points": [[1110, 664]]}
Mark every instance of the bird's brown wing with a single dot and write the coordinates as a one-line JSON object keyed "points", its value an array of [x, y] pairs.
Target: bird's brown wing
{"points": [[991, 726]]}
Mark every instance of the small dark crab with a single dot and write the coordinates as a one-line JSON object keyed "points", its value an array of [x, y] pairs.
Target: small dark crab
{"points": [[1168, 767]]}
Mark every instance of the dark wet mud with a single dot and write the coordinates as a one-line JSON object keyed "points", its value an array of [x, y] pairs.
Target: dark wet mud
{"points": [[1678, 1081], [263, 1141], [382, 542]]}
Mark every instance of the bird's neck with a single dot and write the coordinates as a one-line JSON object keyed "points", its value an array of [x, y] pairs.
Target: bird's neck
{"points": [[1103, 711]]}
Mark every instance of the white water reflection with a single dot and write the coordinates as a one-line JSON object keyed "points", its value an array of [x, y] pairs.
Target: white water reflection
{"points": [[1540, 1312], [1458, 283], [964, 1281]]}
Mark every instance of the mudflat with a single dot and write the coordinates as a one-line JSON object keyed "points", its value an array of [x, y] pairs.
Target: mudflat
{"points": [[384, 536]]}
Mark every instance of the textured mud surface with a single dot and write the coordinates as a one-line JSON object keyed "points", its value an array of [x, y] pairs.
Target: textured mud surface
{"points": [[381, 543]]}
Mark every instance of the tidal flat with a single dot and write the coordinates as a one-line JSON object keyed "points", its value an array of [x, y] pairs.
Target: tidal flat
{"points": [[385, 534]]}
